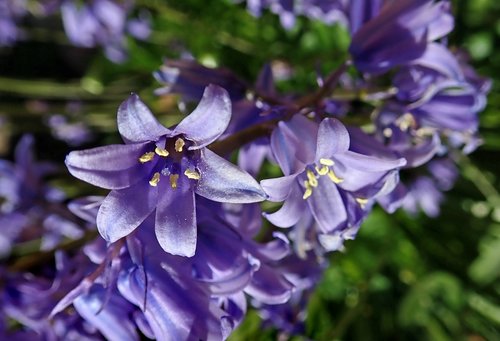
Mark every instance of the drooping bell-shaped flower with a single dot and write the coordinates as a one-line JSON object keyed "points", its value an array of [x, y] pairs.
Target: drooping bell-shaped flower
{"points": [[399, 33], [160, 170]]}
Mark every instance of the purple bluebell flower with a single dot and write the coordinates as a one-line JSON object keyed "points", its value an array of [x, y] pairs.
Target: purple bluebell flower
{"points": [[29, 208], [328, 11], [177, 297], [362, 11], [423, 190], [73, 133], [322, 175], [434, 93], [101, 22], [189, 79], [29, 299], [399, 34], [304, 273], [11, 12], [160, 170]]}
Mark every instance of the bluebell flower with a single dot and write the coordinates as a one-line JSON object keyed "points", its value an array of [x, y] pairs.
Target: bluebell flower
{"points": [[160, 170], [328, 11], [11, 12], [321, 175], [101, 23], [399, 33], [177, 297], [29, 208]]}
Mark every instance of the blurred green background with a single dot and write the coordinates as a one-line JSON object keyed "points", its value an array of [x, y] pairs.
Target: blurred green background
{"points": [[404, 277]]}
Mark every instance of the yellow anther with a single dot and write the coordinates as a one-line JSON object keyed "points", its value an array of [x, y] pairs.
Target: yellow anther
{"points": [[334, 177], [362, 202], [179, 144], [307, 193], [173, 180], [312, 178], [146, 157], [322, 171], [161, 151], [155, 179], [192, 174], [326, 162]]}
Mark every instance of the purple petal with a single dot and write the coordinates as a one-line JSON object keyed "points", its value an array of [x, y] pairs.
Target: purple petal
{"points": [[438, 57], [270, 287], [123, 210], [111, 167], [362, 172], [111, 320], [210, 118], [224, 182], [333, 138], [369, 163], [136, 122], [327, 206], [293, 144], [176, 218], [291, 211], [278, 189]]}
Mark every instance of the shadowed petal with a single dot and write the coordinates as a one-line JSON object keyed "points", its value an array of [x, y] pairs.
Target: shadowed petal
{"points": [[210, 118], [109, 317], [176, 218], [292, 144], [112, 167], [222, 181], [269, 286], [333, 138], [362, 172], [123, 210], [369, 163], [136, 122], [278, 188], [291, 211], [327, 206]]}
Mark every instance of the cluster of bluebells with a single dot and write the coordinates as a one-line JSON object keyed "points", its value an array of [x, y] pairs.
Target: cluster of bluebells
{"points": [[179, 246], [87, 24]]}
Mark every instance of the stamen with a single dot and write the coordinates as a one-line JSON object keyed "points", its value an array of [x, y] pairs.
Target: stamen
{"points": [[161, 151], [308, 192], [326, 162], [362, 202], [173, 180], [192, 174], [312, 178], [146, 157], [155, 179], [179, 144], [321, 171], [334, 177]]}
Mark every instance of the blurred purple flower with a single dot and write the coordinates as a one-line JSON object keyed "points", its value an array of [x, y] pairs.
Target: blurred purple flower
{"points": [[327, 11], [104, 23], [399, 34], [11, 12], [73, 133]]}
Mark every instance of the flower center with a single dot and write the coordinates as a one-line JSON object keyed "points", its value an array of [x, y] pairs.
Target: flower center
{"points": [[325, 167], [173, 159]]}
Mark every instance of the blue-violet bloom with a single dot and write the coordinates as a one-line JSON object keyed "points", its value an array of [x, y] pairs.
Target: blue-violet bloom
{"points": [[160, 170]]}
